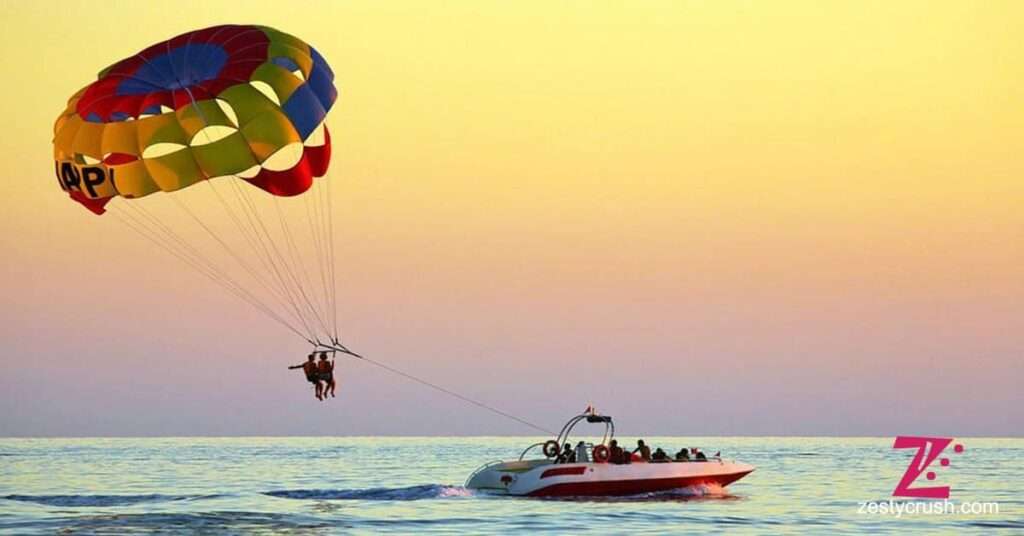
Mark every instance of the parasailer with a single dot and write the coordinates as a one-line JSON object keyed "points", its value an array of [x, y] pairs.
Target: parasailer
{"points": [[325, 369], [312, 372]]}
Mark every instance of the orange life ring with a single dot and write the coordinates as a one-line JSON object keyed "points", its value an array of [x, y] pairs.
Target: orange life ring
{"points": [[551, 448], [601, 454]]}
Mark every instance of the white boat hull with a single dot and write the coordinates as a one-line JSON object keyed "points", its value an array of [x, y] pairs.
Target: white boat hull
{"points": [[542, 478]]}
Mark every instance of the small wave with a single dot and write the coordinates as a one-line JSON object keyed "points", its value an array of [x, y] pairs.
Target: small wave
{"points": [[231, 522], [998, 524], [100, 500], [410, 493]]}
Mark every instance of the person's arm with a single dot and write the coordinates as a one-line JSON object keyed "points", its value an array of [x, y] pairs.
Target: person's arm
{"points": [[294, 367]]}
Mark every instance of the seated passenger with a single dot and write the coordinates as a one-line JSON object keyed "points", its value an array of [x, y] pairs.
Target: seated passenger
{"points": [[683, 455], [700, 457], [645, 451], [568, 455], [581, 453], [616, 452], [659, 455]]}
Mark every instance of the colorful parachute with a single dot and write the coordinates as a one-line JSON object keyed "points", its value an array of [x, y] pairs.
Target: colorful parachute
{"points": [[219, 106], [244, 101]]}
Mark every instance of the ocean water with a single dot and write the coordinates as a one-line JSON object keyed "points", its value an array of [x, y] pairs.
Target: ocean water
{"points": [[414, 485]]}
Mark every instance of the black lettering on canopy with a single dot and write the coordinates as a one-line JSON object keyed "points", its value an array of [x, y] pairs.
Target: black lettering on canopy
{"points": [[92, 177], [69, 176], [72, 177]]}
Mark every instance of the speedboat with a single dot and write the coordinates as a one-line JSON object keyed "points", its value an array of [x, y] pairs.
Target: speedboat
{"points": [[553, 476]]}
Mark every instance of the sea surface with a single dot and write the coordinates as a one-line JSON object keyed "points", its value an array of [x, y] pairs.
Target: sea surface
{"points": [[334, 485]]}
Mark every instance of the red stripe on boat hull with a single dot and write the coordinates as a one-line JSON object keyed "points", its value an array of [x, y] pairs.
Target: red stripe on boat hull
{"points": [[633, 487], [564, 471]]}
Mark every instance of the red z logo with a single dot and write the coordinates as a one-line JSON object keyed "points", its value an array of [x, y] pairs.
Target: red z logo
{"points": [[928, 448]]}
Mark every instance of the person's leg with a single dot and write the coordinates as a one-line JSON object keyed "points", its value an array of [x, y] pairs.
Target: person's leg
{"points": [[319, 389]]}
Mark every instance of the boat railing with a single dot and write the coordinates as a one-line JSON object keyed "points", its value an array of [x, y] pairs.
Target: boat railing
{"points": [[483, 468], [528, 449]]}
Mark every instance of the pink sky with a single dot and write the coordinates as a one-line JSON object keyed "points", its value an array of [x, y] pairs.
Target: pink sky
{"points": [[817, 230]]}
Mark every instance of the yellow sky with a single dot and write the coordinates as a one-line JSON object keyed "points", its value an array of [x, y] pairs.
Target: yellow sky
{"points": [[852, 170]]}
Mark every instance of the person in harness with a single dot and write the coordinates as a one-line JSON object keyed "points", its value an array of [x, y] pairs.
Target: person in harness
{"points": [[325, 372], [312, 374]]}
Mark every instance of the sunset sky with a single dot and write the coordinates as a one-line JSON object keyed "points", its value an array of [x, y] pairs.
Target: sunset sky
{"points": [[742, 218]]}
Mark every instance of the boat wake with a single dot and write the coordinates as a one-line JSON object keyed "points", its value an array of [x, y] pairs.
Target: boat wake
{"points": [[702, 491], [409, 493]]}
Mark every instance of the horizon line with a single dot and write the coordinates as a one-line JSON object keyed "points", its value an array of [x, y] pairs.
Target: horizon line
{"points": [[468, 436]]}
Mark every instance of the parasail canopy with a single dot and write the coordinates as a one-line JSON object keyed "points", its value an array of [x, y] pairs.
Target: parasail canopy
{"points": [[231, 100], [231, 107]]}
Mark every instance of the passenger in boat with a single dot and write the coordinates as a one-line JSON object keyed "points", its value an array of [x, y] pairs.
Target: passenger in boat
{"points": [[643, 449], [312, 374], [683, 455], [325, 371], [617, 455], [581, 453], [659, 455], [568, 455], [699, 456]]}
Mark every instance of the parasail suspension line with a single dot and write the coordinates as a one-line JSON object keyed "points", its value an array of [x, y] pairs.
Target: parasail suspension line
{"points": [[338, 347]]}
